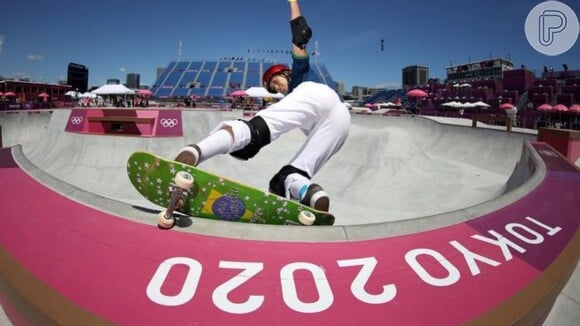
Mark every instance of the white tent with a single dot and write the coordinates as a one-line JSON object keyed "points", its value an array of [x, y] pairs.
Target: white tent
{"points": [[72, 93], [87, 95], [261, 92], [113, 90]]}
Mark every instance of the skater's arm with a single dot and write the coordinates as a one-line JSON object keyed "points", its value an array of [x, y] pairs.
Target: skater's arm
{"points": [[294, 9], [301, 33]]}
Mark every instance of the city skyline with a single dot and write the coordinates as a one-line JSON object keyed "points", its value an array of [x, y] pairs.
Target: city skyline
{"points": [[364, 45]]}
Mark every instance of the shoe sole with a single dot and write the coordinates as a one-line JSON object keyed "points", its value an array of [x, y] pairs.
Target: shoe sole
{"points": [[322, 204], [321, 201], [186, 158]]}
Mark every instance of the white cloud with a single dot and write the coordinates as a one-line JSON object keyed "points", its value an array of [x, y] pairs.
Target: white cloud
{"points": [[1, 42], [35, 57]]}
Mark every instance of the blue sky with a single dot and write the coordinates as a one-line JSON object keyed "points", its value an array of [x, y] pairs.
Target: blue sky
{"points": [[115, 37]]}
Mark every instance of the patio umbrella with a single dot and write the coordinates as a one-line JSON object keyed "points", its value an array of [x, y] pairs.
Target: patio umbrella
{"points": [[9, 94], [145, 92], [482, 104], [560, 108], [1, 93], [44, 96], [506, 106], [238, 93], [574, 108], [545, 107], [452, 104], [417, 93]]}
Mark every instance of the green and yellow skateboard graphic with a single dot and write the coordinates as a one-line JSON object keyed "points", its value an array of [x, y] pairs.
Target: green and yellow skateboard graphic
{"points": [[202, 194]]}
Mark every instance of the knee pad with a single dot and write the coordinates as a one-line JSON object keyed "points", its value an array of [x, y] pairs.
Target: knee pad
{"points": [[277, 185], [260, 137]]}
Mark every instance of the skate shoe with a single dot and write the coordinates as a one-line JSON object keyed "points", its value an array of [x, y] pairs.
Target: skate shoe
{"points": [[189, 155], [316, 198]]}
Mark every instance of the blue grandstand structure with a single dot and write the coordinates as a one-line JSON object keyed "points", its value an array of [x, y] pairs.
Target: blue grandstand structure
{"points": [[388, 95], [217, 78]]}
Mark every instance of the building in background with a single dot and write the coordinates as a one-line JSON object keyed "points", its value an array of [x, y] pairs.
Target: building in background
{"points": [[340, 88], [78, 77], [133, 81], [480, 70], [25, 95], [414, 76]]}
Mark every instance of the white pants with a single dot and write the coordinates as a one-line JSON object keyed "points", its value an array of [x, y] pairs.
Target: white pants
{"points": [[314, 108]]}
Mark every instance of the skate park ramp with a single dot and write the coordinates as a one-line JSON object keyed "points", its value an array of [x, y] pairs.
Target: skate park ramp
{"points": [[391, 169]]}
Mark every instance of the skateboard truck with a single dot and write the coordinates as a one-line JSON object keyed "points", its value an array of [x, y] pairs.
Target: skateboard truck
{"points": [[179, 191]]}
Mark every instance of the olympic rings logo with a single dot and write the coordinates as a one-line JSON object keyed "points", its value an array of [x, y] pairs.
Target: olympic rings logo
{"points": [[169, 123], [76, 120]]}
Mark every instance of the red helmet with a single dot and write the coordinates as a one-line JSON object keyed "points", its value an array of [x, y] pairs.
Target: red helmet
{"points": [[271, 72]]}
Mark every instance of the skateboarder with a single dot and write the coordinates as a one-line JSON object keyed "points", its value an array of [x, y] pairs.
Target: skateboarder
{"points": [[308, 104]]}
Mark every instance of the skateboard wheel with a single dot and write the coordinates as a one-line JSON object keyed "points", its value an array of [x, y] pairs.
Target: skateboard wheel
{"points": [[184, 180], [306, 217], [163, 221]]}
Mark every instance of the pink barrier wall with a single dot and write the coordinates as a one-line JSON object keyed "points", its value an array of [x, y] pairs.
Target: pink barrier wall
{"points": [[150, 123], [567, 142]]}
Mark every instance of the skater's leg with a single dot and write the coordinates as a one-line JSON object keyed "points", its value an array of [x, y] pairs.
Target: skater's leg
{"points": [[228, 136], [242, 139], [291, 182], [324, 140]]}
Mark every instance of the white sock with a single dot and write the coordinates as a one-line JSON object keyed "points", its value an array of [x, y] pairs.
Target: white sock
{"points": [[219, 142], [297, 184]]}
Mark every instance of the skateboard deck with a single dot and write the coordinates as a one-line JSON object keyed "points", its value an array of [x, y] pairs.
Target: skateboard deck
{"points": [[212, 196]]}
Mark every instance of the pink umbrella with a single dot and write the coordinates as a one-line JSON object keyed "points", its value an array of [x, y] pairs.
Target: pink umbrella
{"points": [[9, 94], [43, 95], [575, 108], [238, 93], [1, 93], [560, 108], [145, 92], [417, 93], [506, 106], [545, 107]]}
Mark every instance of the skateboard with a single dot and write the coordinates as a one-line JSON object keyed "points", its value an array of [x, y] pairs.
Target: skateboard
{"points": [[195, 192]]}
